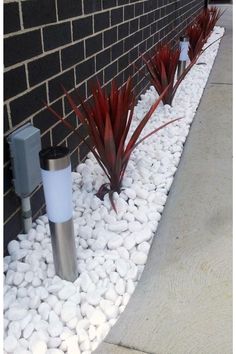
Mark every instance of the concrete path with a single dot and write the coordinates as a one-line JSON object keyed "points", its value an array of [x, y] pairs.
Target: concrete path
{"points": [[182, 304]]}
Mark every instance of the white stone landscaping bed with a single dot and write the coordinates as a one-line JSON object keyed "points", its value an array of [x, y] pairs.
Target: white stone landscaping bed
{"points": [[46, 315]]}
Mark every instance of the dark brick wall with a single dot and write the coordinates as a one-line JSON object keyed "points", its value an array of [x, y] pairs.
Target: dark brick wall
{"points": [[69, 42]]}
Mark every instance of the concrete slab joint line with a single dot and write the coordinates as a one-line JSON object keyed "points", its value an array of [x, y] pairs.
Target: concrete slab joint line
{"points": [[131, 348], [110, 348], [220, 83]]}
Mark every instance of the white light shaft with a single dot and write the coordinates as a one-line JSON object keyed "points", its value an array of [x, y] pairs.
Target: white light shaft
{"points": [[184, 51], [57, 187]]}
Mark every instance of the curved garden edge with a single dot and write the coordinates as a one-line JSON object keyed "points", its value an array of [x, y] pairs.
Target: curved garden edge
{"points": [[107, 244]]}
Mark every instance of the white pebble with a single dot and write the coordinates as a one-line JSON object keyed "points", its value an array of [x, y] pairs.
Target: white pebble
{"points": [[120, 287], [121, 308], [85, 282], [125, 299], [93, 298], [122, 267], [41, 227], [139, 258], [68, 311], [123, 252], [20, 254], [21, 350], [135, 226], [54, 342], [22, 267], [9, 277], [29, 276], [10, 343], [39, 237], [63, 346], [23, 342], [44, 310], [92, 333], [28, 330], [130, 193], [83, 243], [130, 286], [115, 242], [140, 216], [54, 288], [41, 325], [97, 317], [16, 313], [102, 331], [119, 226], [142, 235], [39, 347], [34, 302], [86, 309], [55, 329], [22, 292], [144, 247], [42, 292], [82, 334], [85, 345], [140, 192], [18, 278], [72, 345], [67, 291], [51, 271], [13, 247], [111, 294], [52, 300], [129, 242], [25, 320], [75, 298], [54, 351], [99, 244], [36, 281], [110, 310], [94, 277], [132, 273], [57, 307], [114, 276], [26, 244], [14, 329], [9, 298], [84, 323], [72, 323], [85, 232]]}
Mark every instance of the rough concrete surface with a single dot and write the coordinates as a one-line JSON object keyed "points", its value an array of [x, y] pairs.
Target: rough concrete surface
{"points": [[183, 302], [223, 62]]}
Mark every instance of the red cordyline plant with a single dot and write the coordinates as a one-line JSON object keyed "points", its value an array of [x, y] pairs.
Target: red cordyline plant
{"points": [[108, 121], [207, 19], [201, 29], [196, 41], [162, 68]]}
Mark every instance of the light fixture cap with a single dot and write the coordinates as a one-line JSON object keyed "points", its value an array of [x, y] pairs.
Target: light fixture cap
{"points": [[184, 39], [54, 158]]}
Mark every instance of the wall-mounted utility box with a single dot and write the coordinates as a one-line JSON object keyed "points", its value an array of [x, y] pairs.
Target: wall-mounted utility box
{"points": [[25, 144]]}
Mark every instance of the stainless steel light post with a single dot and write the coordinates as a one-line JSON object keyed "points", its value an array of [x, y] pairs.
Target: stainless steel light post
{"points": [[183, 57], [57, 184]]}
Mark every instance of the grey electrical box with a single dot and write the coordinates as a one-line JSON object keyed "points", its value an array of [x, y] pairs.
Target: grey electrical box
{"points": [[25, 144]]}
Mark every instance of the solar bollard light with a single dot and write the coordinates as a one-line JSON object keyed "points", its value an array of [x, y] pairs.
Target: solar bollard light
{"points": [[57, 184], [183, 57]]}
